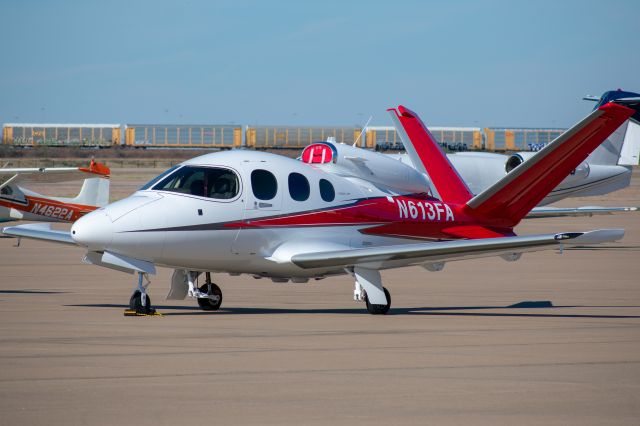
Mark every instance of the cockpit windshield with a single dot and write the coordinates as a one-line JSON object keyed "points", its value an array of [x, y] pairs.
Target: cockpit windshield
{"points": [[210, 182], [153, 181]]}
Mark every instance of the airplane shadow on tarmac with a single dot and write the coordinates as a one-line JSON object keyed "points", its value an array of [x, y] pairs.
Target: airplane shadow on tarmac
{"points": [[604, 248], [32, 292], [194, 310]]}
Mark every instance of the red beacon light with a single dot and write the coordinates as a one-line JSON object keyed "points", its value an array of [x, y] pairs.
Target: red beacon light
{"points": [[318, 153]]}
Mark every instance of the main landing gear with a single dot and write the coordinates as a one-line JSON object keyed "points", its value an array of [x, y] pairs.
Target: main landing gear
{"points": [[369, 289], [379, 309], [210, 297]]}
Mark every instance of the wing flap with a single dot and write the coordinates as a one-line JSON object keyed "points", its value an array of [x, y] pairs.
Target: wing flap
{"points": [[472, 231], [411, 254]]}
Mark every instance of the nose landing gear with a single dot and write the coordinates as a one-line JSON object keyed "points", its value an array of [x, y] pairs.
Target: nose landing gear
{"points": [[140, 302]]}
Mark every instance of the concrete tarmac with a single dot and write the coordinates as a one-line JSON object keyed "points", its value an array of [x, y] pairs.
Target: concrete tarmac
{"points": [[551, 339]]}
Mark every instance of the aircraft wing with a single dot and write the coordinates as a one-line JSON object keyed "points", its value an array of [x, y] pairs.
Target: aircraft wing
{"points": [[39, 231], [542, 212], [54, 174], [411, 254]]}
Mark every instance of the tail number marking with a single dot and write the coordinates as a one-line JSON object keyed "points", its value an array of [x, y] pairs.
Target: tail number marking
{"points": [[425, 211], [52, 211]]}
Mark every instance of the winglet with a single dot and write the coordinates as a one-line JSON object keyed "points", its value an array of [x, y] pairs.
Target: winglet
{"points": [[428, 156]]}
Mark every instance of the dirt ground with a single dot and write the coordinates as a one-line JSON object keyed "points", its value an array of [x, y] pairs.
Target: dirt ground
{"points": [[459, 347]]}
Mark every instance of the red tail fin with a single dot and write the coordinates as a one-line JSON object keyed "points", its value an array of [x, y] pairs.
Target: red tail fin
{"points": [[428, 157], [511, 198]]}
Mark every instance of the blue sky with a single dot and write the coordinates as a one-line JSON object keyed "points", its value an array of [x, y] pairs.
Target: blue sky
{"points": [[457, 63]]}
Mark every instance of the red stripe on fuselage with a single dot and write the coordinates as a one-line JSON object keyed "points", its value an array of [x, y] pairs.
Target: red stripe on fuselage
{"points": [[405, 216]]}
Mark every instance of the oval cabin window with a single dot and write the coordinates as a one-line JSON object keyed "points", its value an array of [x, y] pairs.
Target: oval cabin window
{"points": [[327, 192], [264, 184], [299, 188]]}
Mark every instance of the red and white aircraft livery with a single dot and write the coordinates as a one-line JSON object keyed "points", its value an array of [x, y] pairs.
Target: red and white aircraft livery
{"points": [[606, 169], [341, 210], [19, 203]]}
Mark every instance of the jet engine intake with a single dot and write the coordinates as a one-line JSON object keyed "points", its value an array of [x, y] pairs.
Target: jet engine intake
{"points": [[516, 159], [580, 172]]}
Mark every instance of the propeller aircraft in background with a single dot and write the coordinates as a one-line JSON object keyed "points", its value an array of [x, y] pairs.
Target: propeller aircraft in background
{"points": [[20, 203]]}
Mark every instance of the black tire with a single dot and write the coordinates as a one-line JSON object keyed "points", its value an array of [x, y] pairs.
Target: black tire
{"points": [[207, 304], [379, 309], [135, 303]]}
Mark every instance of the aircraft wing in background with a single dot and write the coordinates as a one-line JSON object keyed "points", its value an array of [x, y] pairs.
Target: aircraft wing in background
{"points": [[39, 231], [542, 212], [53, 174]]}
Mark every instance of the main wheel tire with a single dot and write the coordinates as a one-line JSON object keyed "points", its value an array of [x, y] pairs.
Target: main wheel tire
{"points": [[379, 309], [207, 304], [135, 303]]}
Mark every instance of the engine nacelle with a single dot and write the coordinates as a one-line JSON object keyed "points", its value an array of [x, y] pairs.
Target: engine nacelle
{"points": [[580, 172], [516, 159], [349, 161]]}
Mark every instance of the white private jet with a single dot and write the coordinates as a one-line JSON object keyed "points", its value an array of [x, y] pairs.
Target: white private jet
{"points": [[608, 168], [20, 203], [341, 210]]}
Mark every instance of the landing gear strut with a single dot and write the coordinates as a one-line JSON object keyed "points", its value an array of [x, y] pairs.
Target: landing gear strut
{"points": [[140, 302], [369, 288]]}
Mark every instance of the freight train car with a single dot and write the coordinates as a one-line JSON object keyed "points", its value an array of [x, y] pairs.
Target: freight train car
{"points": [[268, 137], [86, 135], [513, 139], [183, 136], [455, 138]]}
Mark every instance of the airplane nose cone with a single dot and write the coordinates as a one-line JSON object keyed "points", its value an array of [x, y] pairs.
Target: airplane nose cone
{"points": [[94, 230]]}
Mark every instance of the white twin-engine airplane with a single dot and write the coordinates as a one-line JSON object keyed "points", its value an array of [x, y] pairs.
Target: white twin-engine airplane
{"points": [[341, 210], [20, 203], [606, 169]]}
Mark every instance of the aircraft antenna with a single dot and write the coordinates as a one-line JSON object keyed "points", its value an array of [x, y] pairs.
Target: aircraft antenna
{"points": [[364, 128]]}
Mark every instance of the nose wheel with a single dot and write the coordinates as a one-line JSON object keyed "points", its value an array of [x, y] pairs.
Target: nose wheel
{"points": [[213, 293], [140, 302], [138, 305]]}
